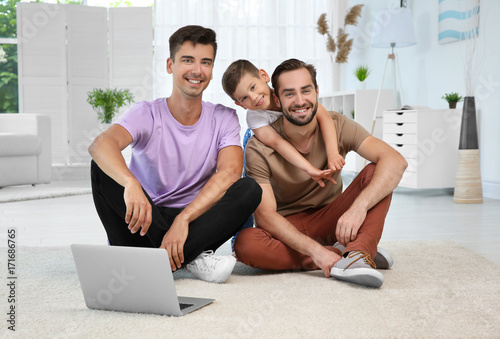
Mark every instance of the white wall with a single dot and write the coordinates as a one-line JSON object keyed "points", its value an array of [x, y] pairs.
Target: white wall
{"points": [[429, 70]]}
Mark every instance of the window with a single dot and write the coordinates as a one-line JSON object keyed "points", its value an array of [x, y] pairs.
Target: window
{"points": [[8, 57]]}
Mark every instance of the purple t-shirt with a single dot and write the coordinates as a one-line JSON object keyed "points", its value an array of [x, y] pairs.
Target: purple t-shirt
{"points": [[172, 161]]}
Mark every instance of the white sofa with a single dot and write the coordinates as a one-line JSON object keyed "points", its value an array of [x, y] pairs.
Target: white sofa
{"points": [[25, 149]]}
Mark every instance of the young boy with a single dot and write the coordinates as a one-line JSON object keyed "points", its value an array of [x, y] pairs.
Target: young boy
{"points": [[247, 86]]}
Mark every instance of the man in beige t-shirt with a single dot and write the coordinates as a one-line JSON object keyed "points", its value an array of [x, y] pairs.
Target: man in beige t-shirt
{"points": [[298, 221]]}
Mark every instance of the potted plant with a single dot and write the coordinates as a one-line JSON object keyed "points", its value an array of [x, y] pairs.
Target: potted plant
{"points": [[452, 99], [361, 72], [107, 102]]}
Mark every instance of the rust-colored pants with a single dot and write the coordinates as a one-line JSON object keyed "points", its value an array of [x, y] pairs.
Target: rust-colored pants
{"points": [[257, 247]]}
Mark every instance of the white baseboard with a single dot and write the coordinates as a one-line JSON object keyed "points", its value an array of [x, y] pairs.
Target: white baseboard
{"points": [[491, 189]]}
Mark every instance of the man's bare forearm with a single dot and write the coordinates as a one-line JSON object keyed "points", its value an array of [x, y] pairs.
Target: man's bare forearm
{"points": [[106, 152], [267, 218], [283, 230], [386, 177], [230, 166], [209, 195]]}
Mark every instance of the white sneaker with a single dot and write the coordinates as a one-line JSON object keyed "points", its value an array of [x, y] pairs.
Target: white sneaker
{"points": [[212, 268]]}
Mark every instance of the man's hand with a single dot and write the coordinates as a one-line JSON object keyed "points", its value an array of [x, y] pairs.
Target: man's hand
{"points": [[139, 209], [174, 240], [325, 259], [349, 224]]}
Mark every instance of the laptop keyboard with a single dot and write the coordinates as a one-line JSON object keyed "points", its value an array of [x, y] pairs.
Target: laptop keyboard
{"points": [[183, 306]]}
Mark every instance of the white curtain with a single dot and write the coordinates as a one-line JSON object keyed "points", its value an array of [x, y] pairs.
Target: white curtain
{"points": [[266, 32]]}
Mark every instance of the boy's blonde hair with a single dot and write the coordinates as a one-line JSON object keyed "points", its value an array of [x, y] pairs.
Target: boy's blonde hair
{"points": [[233, 74]]}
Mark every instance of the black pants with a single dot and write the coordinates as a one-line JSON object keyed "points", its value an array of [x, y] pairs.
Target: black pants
{"points": [[208, 232]]}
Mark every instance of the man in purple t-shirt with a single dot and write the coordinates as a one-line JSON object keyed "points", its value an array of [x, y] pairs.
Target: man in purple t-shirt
{"points": [[183, 191]]}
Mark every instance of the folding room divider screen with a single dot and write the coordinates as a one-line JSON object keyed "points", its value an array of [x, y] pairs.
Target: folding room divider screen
{"points": [[64, 51]]}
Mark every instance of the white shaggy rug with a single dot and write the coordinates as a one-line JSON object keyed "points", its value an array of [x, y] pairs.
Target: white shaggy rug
{"points": [[434, 290]]}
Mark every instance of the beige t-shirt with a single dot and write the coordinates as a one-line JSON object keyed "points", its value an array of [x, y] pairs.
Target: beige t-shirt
{"points": [[293, 188]]}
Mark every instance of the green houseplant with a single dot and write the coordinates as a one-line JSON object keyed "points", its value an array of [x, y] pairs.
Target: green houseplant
{"points": [[452, 99], [107, 102], [362, 72]]}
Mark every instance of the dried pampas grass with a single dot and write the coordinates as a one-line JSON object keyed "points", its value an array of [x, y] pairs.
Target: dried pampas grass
{"points": [[322, 24], [323, 29], [342, 46], [341, 37], [343, 52], [330, 44], [352, 17]]}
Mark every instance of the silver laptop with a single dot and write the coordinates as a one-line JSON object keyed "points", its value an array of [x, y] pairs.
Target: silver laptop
{"points": [[130, 279]]}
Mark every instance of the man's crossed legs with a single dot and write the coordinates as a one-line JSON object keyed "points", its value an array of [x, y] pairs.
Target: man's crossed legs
{"points": [[257, 247], [206, 234]]}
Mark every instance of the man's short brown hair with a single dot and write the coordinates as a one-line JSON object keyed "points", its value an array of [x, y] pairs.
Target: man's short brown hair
{"points": [[194, 34], [292, 65], [233, 74]]}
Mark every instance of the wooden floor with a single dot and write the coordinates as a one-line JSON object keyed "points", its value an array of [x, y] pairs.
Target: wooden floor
{"points": [[414, 215]]}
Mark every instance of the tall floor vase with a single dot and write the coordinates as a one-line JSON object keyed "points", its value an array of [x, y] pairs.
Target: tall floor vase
{"points": [[468, 187]]}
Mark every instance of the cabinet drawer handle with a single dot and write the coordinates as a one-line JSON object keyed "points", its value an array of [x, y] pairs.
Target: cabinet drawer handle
{"points": [[399, 124], [399, 134], [399, 145], [399, 113]]}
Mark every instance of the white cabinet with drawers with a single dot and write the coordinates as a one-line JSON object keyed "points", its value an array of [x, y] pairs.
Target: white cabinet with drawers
{"points": [[428, 139]]}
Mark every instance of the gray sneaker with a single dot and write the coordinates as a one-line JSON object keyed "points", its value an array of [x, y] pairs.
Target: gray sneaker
{"points": [[357, 268], [382, 260], [212, 268]]}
